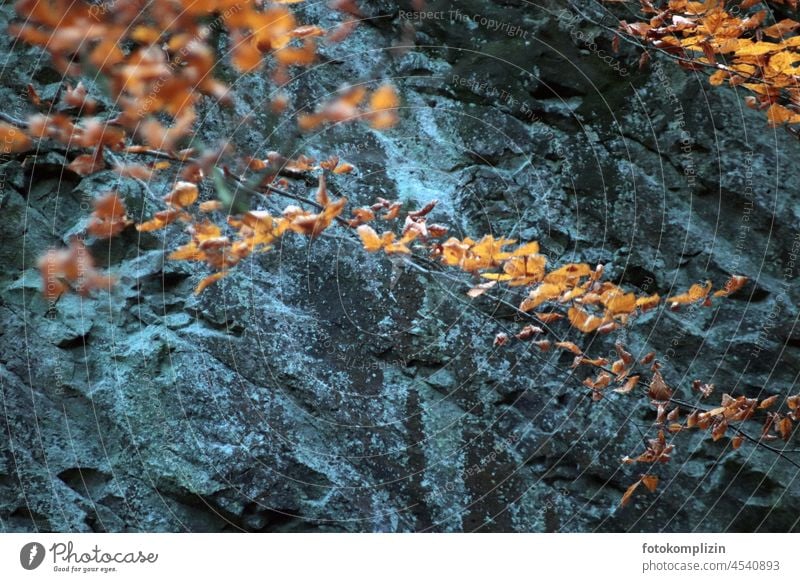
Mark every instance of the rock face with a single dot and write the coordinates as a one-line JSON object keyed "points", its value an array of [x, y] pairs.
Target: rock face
{"points": [[322, 389]]}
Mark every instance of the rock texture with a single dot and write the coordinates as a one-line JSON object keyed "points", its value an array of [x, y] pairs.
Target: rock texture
{"points": [[322, 389]]}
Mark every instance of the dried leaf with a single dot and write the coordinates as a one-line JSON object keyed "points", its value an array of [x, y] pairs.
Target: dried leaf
{"points": [[658, 388], [570, 347], [13, 139], [626, 498], [651, 482], [629, 385]]}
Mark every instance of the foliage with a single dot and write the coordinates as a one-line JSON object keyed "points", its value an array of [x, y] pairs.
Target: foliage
{"points": [[741, 43], [157, 62]]}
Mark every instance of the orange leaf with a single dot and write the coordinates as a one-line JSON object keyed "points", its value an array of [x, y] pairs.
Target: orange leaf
{"points": [[651, 482], [626, 498], [658, 388], [209, 280], [87, 164], [732, 285], [372, 242], [696, 292], [383, 105], [768, 402], [570, 347], [13, 139], [543, 292], [582, 320], [108, 218], [618, 302]]}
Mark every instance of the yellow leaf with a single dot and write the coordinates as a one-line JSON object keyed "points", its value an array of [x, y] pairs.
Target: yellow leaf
{"points": [[750, 48], [778, 115], [718, 78]]}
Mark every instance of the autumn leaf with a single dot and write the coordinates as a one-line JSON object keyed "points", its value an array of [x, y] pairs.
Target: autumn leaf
{"points": [[540, 294], [658, 388], [109, 217], [383, 105], [13, 139], [626, 498], [570, 347], [732, 285], [617, 302], [480, 289], [370, 239], [647, 303], [629, 385], [696, 293], [784, 427], [768, 402], [68, 269], [651, 482], [528, 332], [87, 164], [162, 219], [582, 320], [183, 194], [209, 280]]}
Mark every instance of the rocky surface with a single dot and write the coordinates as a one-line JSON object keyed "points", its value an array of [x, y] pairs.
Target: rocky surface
{"points": [[321, 389]]}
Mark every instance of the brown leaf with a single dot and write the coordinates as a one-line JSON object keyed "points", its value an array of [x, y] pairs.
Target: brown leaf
{"points": [[768, 402], [370, 239], [87, 164], [549, 317], [658, 388], [651, 482], [629, 385]]}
